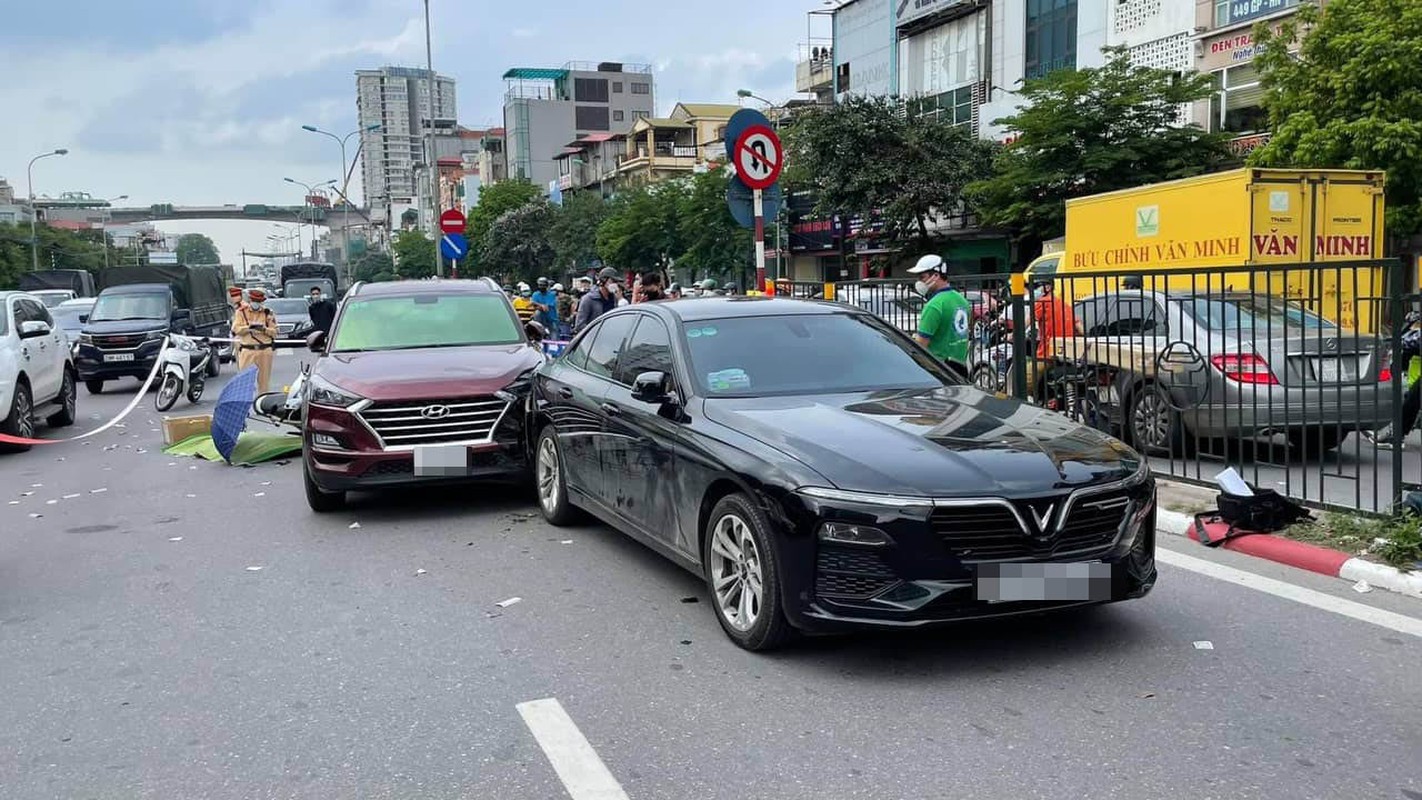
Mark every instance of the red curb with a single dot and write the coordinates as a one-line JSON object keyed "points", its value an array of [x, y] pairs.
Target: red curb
{"points": [[1303, 555]]}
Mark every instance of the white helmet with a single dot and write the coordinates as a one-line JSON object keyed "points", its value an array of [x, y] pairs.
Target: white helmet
{"points": [[557, 287], [929, 263], [522, 286]]}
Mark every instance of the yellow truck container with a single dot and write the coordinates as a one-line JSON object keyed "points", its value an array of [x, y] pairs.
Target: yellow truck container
{"points": [[1244, 218]]}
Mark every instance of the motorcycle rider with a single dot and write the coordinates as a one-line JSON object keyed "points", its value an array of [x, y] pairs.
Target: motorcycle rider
{"points": [[255, 327]]}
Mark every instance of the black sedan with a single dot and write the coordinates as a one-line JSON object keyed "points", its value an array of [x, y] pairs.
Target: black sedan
{"points": [[822, 472]]}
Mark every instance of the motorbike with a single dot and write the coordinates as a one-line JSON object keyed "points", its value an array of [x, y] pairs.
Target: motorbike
{"points": [[184, 366]]}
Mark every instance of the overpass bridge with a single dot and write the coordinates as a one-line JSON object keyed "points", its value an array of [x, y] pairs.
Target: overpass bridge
{"points": [[330, 216]]}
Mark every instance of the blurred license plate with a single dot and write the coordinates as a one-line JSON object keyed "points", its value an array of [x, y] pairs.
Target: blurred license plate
{"points": [[1331, 370], [118, 356], [441, 461], [1004, 583]]}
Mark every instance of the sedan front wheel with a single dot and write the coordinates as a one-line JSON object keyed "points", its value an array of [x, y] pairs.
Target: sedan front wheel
{"points": [[743, 573]]}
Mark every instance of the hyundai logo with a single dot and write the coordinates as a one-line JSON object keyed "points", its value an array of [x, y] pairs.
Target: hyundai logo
{"points": [[434, 412]]}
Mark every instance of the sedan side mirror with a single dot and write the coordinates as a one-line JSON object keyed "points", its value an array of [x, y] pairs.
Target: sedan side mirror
{"points": [[316, 342], [32, 328], [651, 387]]}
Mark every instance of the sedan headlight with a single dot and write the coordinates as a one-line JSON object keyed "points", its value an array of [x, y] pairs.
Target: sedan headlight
{"points": [[324, 393]]}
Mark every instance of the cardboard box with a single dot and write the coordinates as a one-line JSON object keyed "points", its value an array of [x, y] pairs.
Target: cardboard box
{"points": [[176, 429]]}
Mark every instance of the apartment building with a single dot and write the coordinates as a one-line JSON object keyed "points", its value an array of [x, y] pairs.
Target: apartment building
{"points": [[1224, 48], [398, 100], [546, 108]]}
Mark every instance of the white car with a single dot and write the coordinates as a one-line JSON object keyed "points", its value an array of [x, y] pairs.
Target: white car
{"points": [[37, 373], [53, 297]]}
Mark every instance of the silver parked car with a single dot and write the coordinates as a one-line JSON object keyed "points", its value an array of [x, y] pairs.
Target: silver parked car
{"points": [[1172, 369]]}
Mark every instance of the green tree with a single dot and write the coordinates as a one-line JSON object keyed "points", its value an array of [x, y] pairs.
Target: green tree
{"points": [[1081, 132], [374, 266], [712, 244], [414, 254], [866, 156], [59, 248], [494, 201], [516, 246], [641, 231], [574, 231], [1351, 97], [197, 248]]}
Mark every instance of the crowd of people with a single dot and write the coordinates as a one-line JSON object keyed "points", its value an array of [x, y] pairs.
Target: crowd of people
{"points": [[563, 312]]}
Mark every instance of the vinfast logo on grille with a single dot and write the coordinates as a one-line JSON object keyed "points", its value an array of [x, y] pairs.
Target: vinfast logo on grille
{"points": [[1039, 519]]}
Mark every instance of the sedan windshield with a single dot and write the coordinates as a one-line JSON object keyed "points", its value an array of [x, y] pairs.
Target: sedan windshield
{"points": [[294, 306], [805, 354], [1254, 314], [111, 307], [399, 323]]}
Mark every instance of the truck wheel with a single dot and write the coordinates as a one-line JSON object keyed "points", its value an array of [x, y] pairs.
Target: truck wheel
{"points": [[68, 402], [21, 421], [94, 387]]}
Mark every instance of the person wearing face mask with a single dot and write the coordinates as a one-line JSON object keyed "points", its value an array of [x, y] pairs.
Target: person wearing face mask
{"points": [[944, 323], [322, 311], [255, 327], [600, 300], [1053, 318], [651, 288]]}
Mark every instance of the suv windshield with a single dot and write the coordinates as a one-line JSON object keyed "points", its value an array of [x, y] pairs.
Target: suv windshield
{"points": [[810, 354], [109, 307], [425, 320], [1254, 314]]}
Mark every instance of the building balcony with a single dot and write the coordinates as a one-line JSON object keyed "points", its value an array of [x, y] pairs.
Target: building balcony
{"points": [[814, 75]]}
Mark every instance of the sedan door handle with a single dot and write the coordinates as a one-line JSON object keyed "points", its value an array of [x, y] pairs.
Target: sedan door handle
{"points": [[610, 409], [565, 393]]}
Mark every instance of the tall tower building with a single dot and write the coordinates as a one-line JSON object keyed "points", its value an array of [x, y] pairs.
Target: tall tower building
{"points": [[396, 99]]}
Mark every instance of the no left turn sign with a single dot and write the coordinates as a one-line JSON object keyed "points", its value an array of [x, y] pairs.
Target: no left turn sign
{"points": [[759, 157]]}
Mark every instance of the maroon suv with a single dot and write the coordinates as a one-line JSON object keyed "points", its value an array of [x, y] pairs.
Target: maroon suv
{"points": [[418, 382]]}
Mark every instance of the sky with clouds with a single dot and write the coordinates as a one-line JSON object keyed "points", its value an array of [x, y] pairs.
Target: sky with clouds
{"points": [[202, 101]]}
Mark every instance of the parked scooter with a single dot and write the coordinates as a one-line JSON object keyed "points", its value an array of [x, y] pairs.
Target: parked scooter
{"points": [[184, 366]]}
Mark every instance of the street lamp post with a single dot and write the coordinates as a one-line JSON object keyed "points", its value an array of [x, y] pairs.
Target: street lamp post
{"points": [[431, 160], [345, 185], [34, 212], [104, 226], [306, 203]]}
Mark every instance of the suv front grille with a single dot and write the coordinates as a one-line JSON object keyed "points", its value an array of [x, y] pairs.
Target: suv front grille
{"points": [[405, 424]]}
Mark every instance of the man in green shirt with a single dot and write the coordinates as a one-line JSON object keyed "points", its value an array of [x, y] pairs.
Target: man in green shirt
{"points": [[944, 323]]}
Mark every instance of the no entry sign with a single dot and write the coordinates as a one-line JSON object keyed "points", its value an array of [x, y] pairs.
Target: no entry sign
{"points": [[759, 157], [452, 221]]}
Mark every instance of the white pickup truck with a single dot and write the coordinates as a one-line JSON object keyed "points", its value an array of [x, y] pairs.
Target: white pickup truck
{"points": [[36, 369]]}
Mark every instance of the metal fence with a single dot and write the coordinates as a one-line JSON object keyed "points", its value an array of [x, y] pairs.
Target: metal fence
{"points": [[1290, 374]]}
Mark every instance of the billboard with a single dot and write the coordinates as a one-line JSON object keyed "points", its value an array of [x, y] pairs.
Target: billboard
{"points": [[863, 49]]}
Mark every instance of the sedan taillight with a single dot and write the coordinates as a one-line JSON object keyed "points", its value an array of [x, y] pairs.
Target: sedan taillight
{"points": [[1244, 368]]}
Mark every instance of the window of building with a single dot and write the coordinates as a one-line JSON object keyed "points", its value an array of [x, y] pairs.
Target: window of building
{"points": [[617, 115], [1051, 36], [590, 90], [1237, 107], [641, 88], [591, 118], [954, 107], [617, 87], [639, 115]]}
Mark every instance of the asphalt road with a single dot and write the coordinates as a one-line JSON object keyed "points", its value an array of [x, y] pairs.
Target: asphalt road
{"points": [[137, 666]]}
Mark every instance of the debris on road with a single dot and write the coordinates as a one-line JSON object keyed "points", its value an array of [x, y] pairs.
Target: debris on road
{"points": [[36, 516], [353, 525], [509, 602], [14, 502], [50, 502], [175, 538], [190, 496], [70, 496], [98, 491], [566, 541], [1362, 587], [692, 599], [260, 494], [420, 572], [254, 569], [1147, 695], [1204, 645]]}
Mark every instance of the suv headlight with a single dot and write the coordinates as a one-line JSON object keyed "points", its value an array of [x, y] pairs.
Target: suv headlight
{"points": [[85, 338], [154, 336], [325, 393]]}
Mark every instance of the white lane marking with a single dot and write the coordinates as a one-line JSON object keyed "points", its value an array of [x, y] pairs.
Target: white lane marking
{"points": [[1289, 591], [577, 764]]}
